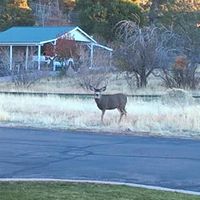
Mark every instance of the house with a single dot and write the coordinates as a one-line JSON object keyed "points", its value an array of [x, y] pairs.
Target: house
{"points": [[36, 37]]}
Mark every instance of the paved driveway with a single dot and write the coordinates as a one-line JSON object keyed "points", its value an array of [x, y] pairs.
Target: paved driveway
{"points": [[171, 163]]}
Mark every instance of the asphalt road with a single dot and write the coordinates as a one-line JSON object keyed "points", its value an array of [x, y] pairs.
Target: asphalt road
{"points": [[171, 163]]}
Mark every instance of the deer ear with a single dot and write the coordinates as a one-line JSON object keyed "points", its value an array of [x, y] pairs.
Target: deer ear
{"points": [[103, 89], [91, 88]]}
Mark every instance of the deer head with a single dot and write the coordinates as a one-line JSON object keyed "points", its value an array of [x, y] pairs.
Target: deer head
{"points": [[97, 92]]}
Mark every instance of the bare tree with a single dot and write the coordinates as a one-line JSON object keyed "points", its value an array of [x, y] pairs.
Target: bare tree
{"points": [[99, 74], [181, 74], [4, 61], [48, 12], [142, 50], [87, 76], [19, 74], [26, 78]]}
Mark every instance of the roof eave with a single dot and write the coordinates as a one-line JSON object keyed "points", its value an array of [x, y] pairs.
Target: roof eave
{"points": [[47, 41], [19, 44]]}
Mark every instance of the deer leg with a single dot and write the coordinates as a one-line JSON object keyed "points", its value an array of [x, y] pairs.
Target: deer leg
{"points": [[121, 115], [103, 112], [125, 112]]}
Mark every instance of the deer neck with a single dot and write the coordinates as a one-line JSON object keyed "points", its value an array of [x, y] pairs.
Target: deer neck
{"points": [[98, 102]]}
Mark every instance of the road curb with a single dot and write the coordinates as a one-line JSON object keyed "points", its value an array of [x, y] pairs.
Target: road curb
{"points": [[100, 182]]}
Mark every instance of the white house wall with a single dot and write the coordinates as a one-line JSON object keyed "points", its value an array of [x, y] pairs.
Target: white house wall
{"points": [[78, 36]]}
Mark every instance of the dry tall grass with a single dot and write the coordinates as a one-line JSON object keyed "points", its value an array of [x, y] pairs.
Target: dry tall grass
{"points": [[153, 118], [116, 83]]}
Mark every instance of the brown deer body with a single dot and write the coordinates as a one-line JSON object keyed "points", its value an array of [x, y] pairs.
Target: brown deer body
{"points": [[110, 102]]}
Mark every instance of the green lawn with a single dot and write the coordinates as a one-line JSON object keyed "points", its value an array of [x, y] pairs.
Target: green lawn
{"points": [[69, 191]]}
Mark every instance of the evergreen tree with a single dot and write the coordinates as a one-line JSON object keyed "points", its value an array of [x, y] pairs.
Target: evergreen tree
{"points": [[21, 4], [101, 17], [16, 13]]}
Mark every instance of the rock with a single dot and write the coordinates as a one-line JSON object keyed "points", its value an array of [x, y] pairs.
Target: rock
{"points": [[177, 96]]}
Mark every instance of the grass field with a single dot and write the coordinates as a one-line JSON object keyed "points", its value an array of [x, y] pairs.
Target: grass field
{"points": [[153, 117], [55, 84], [57, 112], [69, 191]]}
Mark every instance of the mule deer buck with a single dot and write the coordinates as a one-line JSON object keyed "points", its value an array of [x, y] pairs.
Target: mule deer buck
{"points": [[110, 102]]}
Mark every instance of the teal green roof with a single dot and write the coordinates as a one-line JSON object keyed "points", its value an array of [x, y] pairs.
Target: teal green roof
{"points": [[34, 34]]}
